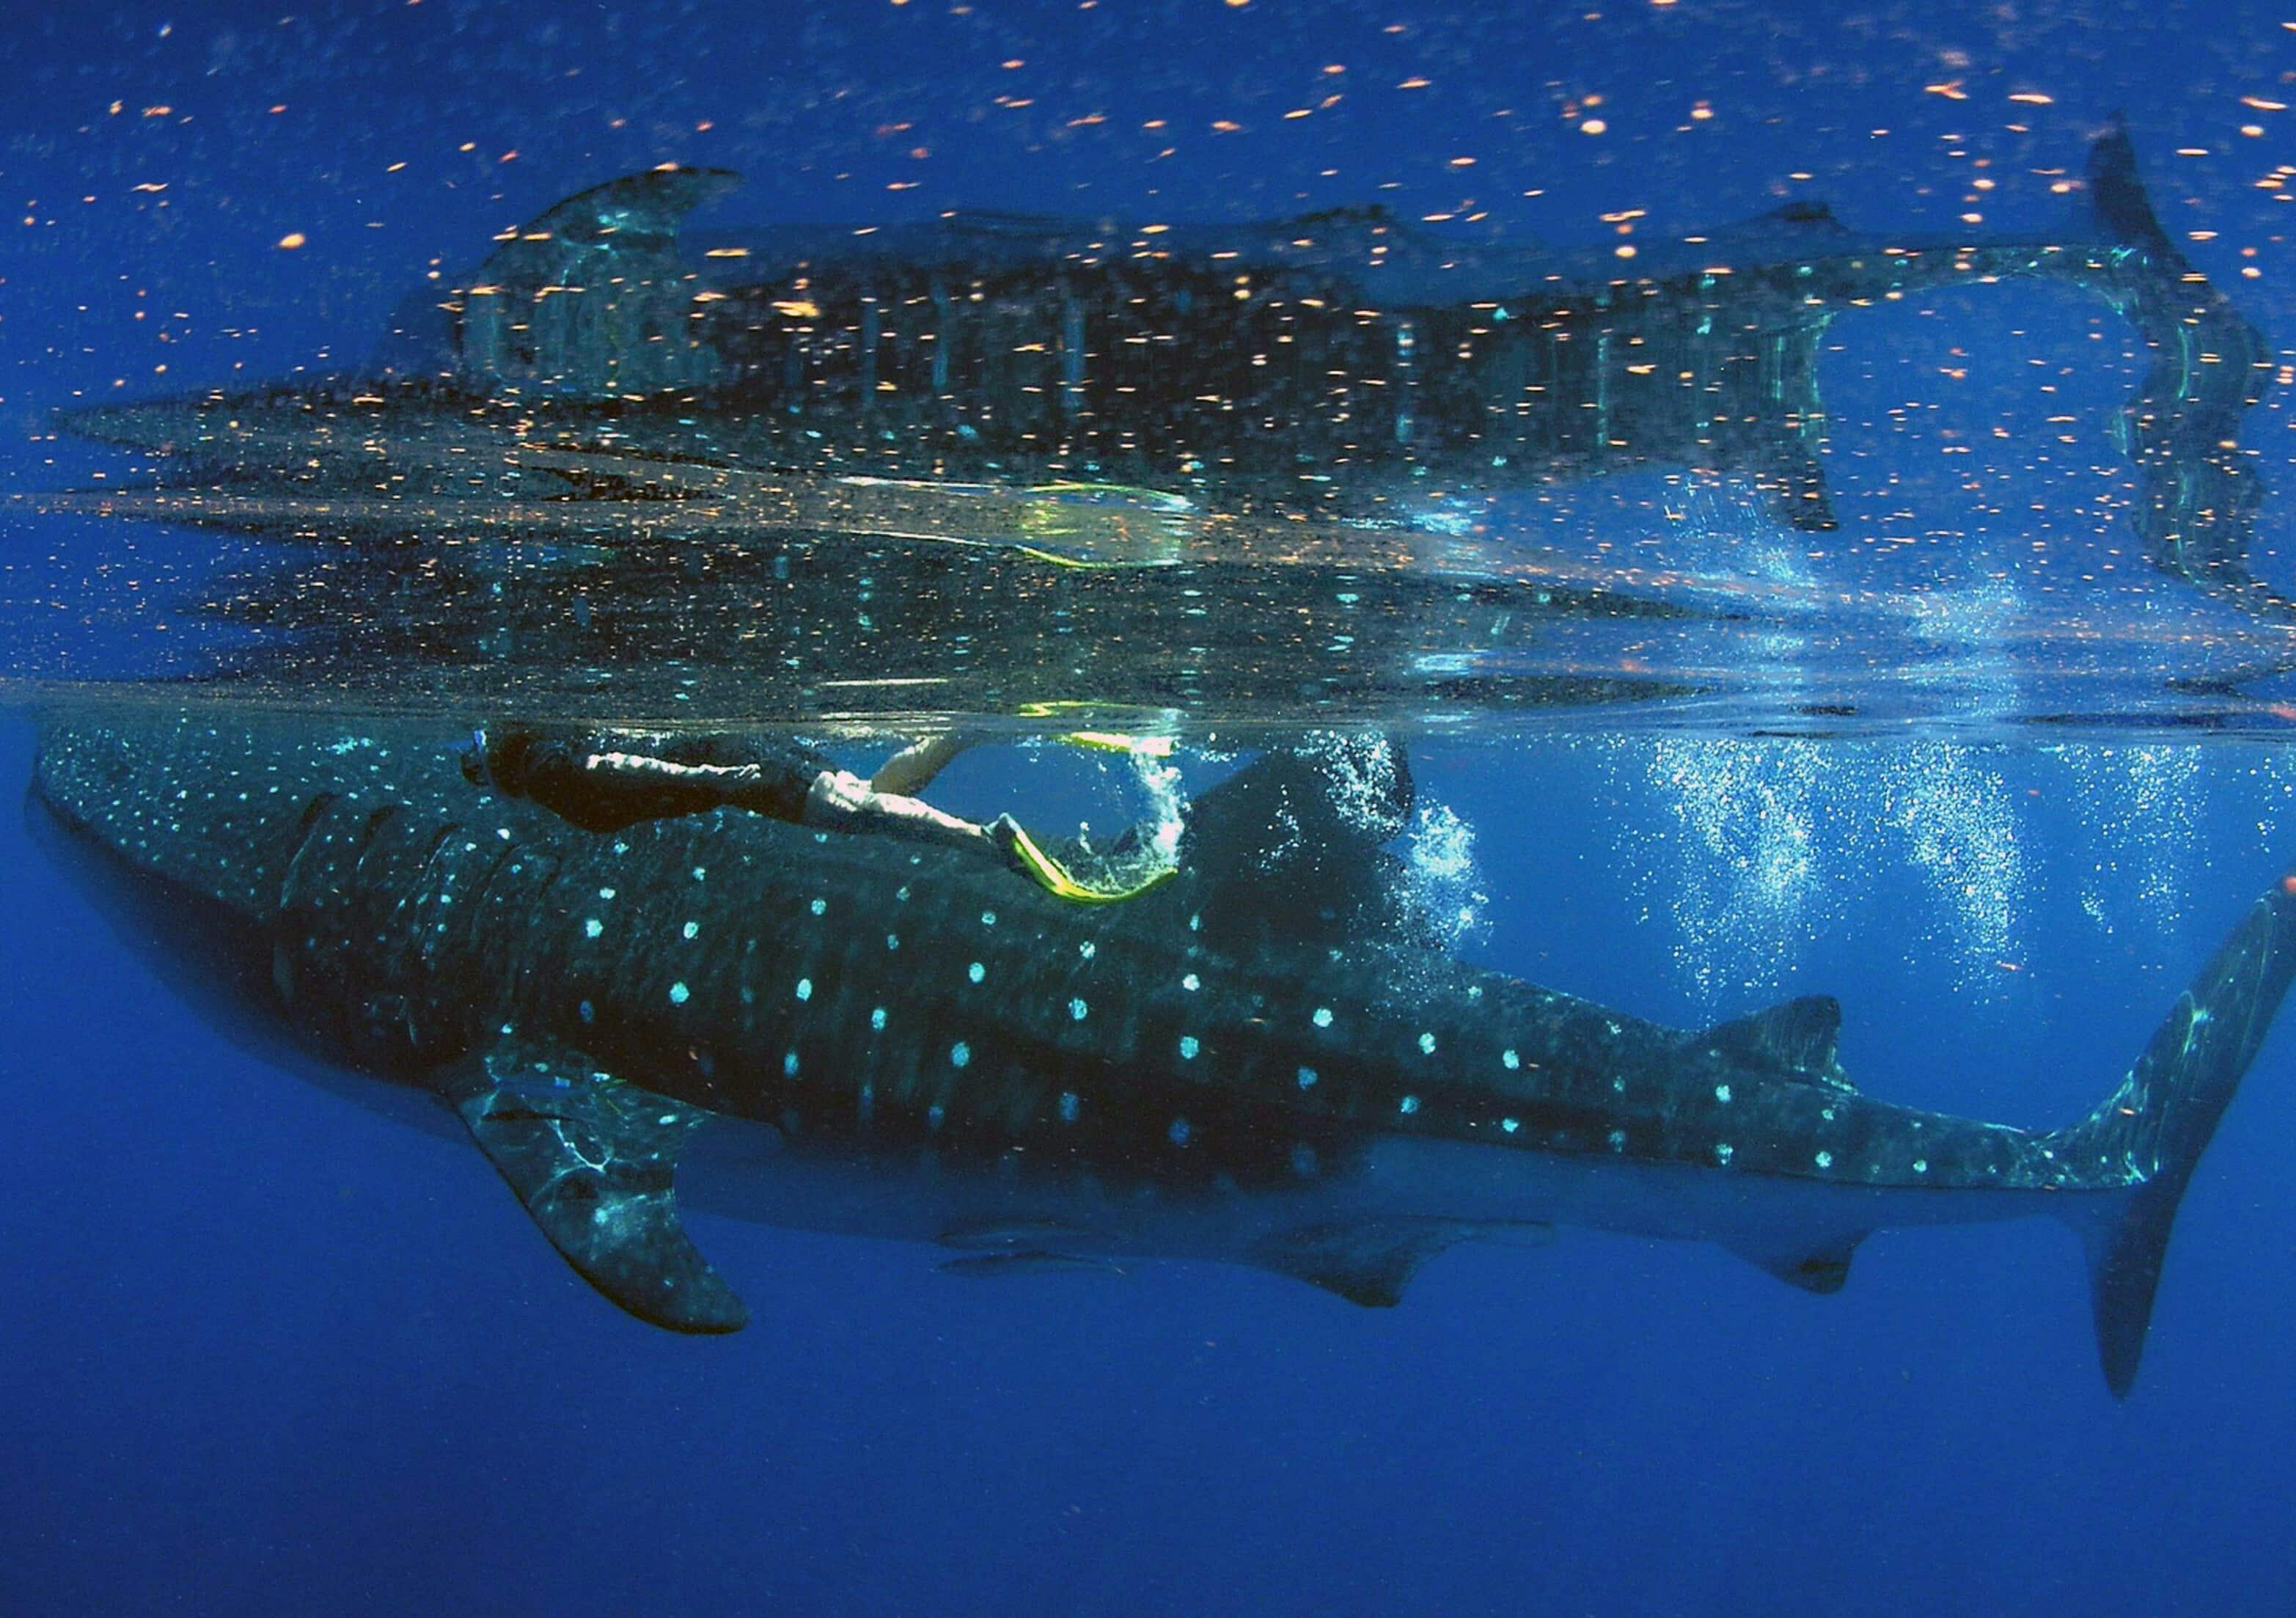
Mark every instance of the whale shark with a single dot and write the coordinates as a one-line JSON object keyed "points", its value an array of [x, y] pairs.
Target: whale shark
{"points": [[1141, 392], [1271, 1059]]}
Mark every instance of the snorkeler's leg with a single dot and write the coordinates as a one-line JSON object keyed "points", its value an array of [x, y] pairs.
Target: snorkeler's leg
{"points": [[843, 801]]}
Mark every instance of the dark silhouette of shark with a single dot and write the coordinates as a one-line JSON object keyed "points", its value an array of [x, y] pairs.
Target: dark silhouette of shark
{"points": [[1266, 1060], [1344, 366]]}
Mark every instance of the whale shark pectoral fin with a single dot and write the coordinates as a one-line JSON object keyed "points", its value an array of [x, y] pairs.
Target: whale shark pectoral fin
{"points": [[1371, 1261], [1821, 1267], [592, 1158]]}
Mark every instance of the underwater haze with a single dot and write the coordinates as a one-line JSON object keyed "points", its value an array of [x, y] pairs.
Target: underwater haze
{"points": [[1948, 672]]}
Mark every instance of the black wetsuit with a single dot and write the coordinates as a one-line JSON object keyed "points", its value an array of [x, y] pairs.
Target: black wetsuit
{"points": [[565, 773]]}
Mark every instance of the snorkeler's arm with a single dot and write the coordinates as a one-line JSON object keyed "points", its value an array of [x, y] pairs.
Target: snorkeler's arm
{"points": [[911, 770]]}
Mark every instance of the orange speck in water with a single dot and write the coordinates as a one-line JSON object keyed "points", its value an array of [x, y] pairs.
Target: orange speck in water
{"points": [[292, 240]]}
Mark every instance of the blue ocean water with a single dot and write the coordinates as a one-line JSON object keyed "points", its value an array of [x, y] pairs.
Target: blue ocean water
{"points": [[271, 1349]]}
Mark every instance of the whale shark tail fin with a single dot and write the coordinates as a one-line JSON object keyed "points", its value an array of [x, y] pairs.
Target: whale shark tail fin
{"points": [[2154, 1128]]}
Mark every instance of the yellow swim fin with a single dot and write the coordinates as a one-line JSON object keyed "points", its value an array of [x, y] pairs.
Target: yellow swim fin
{"points": [[1143, 745], [1117, 740], [1056, 878]]}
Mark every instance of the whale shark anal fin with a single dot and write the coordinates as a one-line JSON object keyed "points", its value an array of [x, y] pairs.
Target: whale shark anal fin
{"points": [[1371, 1261], [1820, 1267], [592, 1158], [1025, 1262]]}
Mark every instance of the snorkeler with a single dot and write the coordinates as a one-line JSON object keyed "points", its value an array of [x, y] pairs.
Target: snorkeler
{"points": [[591, 783]]}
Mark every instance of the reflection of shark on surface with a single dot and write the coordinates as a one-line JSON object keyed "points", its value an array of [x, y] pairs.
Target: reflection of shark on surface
{"points": [[1148, 393], [1264, 1061]]}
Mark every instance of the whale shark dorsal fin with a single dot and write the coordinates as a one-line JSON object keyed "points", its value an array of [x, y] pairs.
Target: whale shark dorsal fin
{"points": [[592, 1159], [647, 204], [590, 300], [1796, 1037], [2115, 204]]}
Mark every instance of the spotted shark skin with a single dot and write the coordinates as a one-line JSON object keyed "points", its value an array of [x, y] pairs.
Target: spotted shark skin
{"points": [[942, 1052]]}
